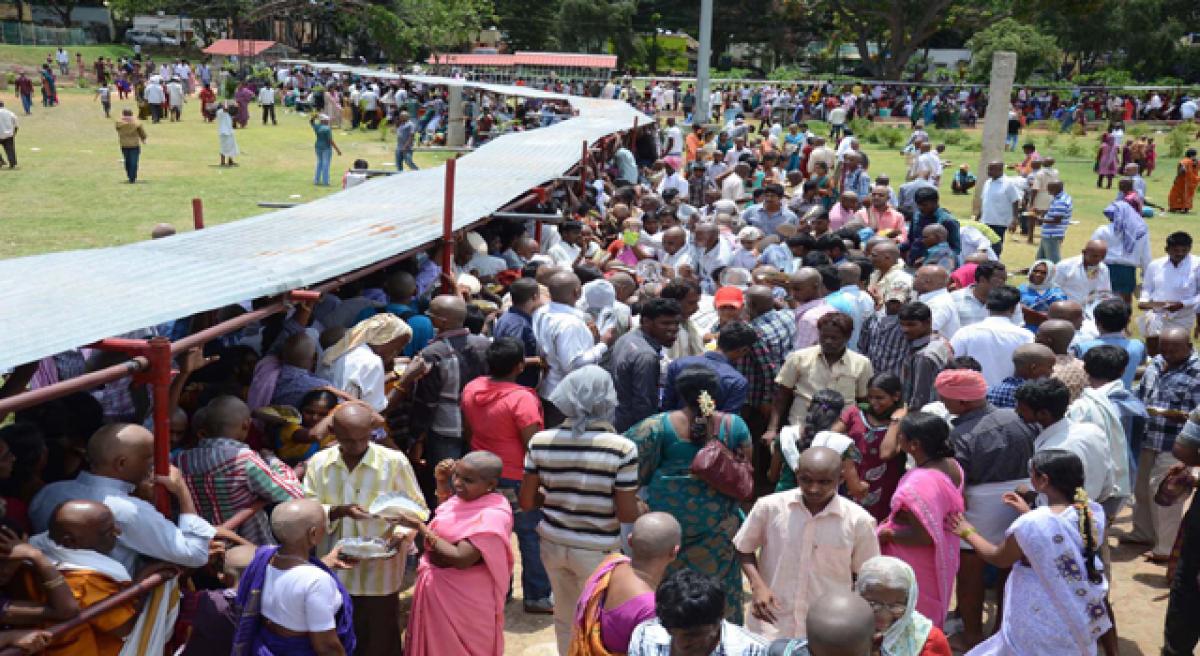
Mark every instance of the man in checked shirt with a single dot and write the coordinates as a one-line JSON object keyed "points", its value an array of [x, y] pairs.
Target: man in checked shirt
{"points": [[1170, 389], [776, 332]]}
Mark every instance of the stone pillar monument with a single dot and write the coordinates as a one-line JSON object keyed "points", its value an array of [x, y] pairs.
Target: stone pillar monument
{"points": [[456, 130], [995, 123]]}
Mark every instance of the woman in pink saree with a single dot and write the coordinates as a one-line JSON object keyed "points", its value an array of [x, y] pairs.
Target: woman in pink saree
{"points": [[917, 531], [462, 580]]}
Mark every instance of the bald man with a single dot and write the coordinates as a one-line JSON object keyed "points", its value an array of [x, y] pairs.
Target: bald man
{"points": [[225, 476], [930, 284], [122, 458], [804, 287], [843, 211], [841, 539], [565, 341], [346, 479], [1030, 362], [455, 358], [1057, 334], [1170, 388], [297, 360], [1084, 278], [81, 536], [776, 336], [850, 299], [675, 252], [710, 254], [885, 257], [217, 612]]}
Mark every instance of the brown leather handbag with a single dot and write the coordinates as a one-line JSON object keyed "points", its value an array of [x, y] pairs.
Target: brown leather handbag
{"points": [[725, 470]]}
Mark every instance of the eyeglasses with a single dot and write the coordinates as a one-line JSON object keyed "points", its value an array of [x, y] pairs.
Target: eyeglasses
{"points": [[894, 609]]}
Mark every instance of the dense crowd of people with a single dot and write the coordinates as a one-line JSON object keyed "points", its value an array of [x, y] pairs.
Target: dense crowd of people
{"points": [[747, 398]]}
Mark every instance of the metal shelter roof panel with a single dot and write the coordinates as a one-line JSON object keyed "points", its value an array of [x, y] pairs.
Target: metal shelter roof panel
{"points": [[60, 301], [565, 59], [230, 47]]}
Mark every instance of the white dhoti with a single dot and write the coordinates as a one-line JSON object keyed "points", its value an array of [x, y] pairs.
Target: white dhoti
{"points": [[229, 147], [987, 511], [1154, 322]]}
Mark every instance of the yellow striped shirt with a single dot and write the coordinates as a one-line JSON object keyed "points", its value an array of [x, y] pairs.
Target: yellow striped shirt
{"points": [[382, 470]]}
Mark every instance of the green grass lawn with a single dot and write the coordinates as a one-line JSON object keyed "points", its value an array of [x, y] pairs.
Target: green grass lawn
{"points": [[32, 57], [69, 190]]}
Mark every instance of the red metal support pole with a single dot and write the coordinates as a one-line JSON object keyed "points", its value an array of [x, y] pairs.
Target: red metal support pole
{"points": [[448, 223], [159, 353], [583, 171], [197, 214]]}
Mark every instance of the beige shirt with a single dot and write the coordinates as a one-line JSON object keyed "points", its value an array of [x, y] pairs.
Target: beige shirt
{"points": [[802, 557], [806, 371]]}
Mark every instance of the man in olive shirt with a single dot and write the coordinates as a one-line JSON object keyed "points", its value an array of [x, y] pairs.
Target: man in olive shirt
{"points": [[131, 135]]}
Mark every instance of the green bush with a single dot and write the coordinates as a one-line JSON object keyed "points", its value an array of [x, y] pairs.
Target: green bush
{"points": [[890, 136], [789, 73], [861, 127], [1138, 130], [1073, 148], [1179, 138]]}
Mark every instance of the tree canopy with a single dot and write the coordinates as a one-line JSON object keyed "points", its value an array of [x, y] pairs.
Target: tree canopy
{"points": [[1035, 51]]}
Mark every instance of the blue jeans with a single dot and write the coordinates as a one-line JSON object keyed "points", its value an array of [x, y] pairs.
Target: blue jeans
{"points": [[535, 583], [324, 157], [1010, 141], [131, 156], [404, 157], [27, 103]]}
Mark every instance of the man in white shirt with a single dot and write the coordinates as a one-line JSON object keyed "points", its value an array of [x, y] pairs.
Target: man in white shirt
{"points": [[1171, 288], [733, 187], [1000, 201], [121, 458], [8, 134], [564, 338], [1044, 403], [929, 161], [837, 122], [175, 99], [673, 178], [1084, 278], [155, 97], [673, 142], [993, 340], [971, 302], [566, 252], [674, 252], [735, 154], [710, 253], [1187, 109], [930, 283], [266, 98]]}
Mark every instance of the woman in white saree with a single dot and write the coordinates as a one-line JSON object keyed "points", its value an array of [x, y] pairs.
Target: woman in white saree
{"points": [[1054, 599]]}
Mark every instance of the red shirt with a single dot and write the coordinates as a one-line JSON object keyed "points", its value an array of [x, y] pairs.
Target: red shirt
{"points": [[496, 411]]}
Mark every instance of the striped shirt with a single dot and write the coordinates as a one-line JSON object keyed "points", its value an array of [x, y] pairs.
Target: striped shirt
{"points": [[580, 476], [1060, 208], [381, 470], [225, 476]]}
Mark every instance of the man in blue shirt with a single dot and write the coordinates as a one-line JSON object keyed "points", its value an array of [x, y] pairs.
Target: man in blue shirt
{"points": [[733, 342], [1055, 222], [771, 214], [928, 212], [517, 322]]}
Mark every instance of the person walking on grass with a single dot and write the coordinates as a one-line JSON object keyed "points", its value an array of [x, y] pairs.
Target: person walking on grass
{"points": [[325, 147], [8, 135], [229, 147], [131, 136]]}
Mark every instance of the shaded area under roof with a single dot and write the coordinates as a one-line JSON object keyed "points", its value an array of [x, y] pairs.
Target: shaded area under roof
{"points": [[59, 301]]}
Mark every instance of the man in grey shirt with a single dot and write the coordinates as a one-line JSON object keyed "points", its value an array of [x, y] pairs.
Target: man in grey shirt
{"points": [[406, 132], [993, 447], [637, 361], [908, 192]]}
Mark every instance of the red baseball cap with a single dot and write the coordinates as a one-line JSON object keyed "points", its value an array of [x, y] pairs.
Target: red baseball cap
{"points": [[728, 296]]}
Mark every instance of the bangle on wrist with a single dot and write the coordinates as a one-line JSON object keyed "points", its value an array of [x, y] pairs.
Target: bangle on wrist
{"points": [[966, 532]]}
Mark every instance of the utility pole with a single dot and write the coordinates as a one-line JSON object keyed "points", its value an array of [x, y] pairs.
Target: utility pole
{"points": [[703, 111]]}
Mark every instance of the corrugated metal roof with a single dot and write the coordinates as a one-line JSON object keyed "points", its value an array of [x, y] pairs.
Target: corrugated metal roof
{"points": [[565, 59], [59, 301], [471, 59], [230, 47]]}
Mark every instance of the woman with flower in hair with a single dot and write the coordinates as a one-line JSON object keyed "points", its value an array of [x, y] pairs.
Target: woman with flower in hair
{"points": [[667, 443], [1054, 598]]}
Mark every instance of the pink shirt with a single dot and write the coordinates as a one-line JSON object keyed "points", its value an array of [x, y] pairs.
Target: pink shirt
{"points": [[801, 556], [881, 222], [496, 412], [806, 322], [839, 217]]}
